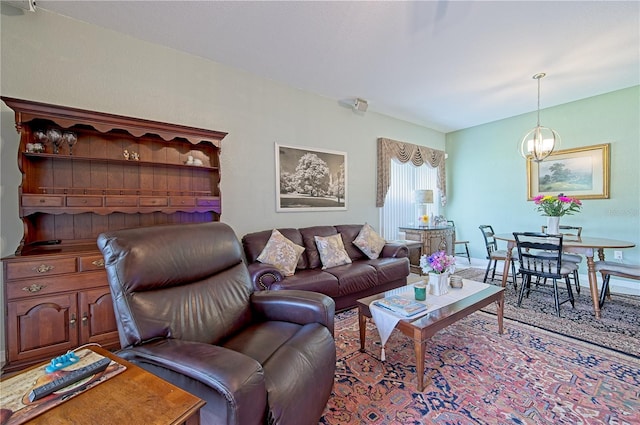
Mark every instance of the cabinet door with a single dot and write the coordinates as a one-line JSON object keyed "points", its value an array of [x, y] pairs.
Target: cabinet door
{"points": [[97, 321], [41, 327]]}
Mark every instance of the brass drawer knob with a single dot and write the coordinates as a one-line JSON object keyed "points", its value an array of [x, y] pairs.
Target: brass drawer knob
{"points": [[34, 288], [43, 268], [98, 263]]}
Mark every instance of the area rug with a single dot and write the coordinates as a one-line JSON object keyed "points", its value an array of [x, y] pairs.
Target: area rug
{"points": [[618, 329], [473, 375]]}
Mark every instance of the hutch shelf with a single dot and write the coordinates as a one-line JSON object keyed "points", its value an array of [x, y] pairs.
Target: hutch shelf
{"points": [[84, 173]]}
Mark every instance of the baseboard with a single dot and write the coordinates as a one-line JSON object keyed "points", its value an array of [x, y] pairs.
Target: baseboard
{"points": [[616, 285]]}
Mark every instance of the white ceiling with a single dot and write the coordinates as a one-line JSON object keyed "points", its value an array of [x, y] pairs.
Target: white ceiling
{"points": [[443, 64]]}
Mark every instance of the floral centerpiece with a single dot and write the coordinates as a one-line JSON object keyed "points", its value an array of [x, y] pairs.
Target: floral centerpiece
{"points": [[438, 262], [557, 206], [438, 265]]}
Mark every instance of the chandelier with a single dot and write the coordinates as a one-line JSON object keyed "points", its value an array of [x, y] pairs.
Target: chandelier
{"points": [[539, 142]]}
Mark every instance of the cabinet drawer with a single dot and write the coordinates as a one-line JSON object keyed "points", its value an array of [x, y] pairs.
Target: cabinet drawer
{"points": [[154, 201], [47, 285], [121, 201], [91, 262], [184, 201], [42, 201], [208, 201], [410, 236], [42, 267], [84, 201]]}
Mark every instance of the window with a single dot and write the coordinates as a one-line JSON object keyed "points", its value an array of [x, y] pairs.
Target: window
{"points": [[399, 208]]}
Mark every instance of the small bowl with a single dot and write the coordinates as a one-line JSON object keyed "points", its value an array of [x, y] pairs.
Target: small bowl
{"points": [[455, 282]]}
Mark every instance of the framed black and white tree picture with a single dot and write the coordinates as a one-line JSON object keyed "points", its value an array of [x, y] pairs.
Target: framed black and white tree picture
{"points": [[310, 179]]}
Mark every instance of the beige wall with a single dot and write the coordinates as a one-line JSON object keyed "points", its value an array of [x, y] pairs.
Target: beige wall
{"points": [[49, 58]]}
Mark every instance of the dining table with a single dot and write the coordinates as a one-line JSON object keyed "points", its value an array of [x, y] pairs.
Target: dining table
{"points": [[582, 245]]}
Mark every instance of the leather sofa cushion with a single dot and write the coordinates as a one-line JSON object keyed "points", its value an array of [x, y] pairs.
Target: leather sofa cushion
{"points": [[354, 277], [314, 280], [260, 340], [388, 269]]}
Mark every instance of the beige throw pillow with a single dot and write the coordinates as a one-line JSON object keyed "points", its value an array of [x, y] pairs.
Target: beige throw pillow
{"points": [[369, 242], [332, 252], [281, 253]]}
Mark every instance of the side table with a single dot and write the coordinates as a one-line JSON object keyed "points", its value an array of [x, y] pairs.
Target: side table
{"points": [[134, 396], [436, 238], [415, 252]]}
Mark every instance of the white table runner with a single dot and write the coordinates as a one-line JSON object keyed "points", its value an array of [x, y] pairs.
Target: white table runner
{"points": [[386, 320]]}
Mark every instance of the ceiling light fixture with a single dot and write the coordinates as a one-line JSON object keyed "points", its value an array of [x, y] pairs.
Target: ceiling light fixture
{"points": [[360, 105], [28, 5], [540, 142]]}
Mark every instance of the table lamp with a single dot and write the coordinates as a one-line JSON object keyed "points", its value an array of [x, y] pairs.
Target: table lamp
{"points": [[422, 198]]}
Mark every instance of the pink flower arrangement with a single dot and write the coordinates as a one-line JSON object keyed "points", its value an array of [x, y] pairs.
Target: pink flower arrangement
{"points": [[438, 262], [557, 206]]}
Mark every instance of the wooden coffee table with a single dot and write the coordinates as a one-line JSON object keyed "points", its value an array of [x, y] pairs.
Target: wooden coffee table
{"points": [[421, 329], [134, 396]]}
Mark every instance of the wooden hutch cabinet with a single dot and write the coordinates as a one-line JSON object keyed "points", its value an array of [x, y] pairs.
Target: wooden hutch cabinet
{"points": [[107, 172]]}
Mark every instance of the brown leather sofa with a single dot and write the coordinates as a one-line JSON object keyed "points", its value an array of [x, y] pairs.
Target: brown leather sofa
{"points": [[346, 283], [186, 311]]}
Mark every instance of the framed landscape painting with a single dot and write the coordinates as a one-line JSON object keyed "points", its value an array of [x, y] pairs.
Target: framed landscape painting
{"points": [[582, 173], [310, 179]]}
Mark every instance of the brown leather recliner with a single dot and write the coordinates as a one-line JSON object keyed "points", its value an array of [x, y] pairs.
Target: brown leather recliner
{"points": [[187, 312]]}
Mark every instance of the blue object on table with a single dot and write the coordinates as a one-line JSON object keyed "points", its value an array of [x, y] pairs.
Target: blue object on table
{"points": [[61, 362]]}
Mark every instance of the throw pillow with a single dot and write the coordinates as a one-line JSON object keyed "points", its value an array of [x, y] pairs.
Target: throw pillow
{"points": [[332, 252], [369, 242], [281, 253]]}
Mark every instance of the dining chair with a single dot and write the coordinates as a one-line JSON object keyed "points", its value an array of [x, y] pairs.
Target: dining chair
{"points": [[574, 232], [462, 244], [540, 256], [612, 268], [494, 254]]}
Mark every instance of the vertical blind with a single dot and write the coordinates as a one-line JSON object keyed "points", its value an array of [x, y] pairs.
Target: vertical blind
{"points": [[399, 208]]}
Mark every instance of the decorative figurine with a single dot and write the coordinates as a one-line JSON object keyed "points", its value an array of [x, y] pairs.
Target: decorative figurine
{"points": [[126, 154], [135, 156]]}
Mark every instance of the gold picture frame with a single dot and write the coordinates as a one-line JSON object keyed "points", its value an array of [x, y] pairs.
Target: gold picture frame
{"points": [[581, 173]]}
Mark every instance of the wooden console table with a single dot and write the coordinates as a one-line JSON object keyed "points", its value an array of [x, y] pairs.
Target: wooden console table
{"points": [[441, 238]]}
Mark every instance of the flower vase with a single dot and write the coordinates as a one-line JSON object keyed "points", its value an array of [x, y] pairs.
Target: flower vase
{"points": [[438, 283], [553, 225]]}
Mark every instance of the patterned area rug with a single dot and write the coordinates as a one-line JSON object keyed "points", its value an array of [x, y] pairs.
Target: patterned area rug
{"points": [[476, 376], [618, 329]]}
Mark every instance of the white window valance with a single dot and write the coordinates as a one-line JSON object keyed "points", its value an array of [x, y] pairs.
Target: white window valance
{"points": [[404, 152]]}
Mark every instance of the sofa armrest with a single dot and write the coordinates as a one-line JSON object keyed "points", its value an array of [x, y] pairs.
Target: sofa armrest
{"points": [[394, 250], [290, 305], [263, 275], [237, 378]]}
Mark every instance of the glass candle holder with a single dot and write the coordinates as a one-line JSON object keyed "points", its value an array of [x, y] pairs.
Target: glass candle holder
{"points": [[420, 291]]}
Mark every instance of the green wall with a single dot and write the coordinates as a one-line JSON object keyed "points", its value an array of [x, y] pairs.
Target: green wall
{"points": [[487, 178]]}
